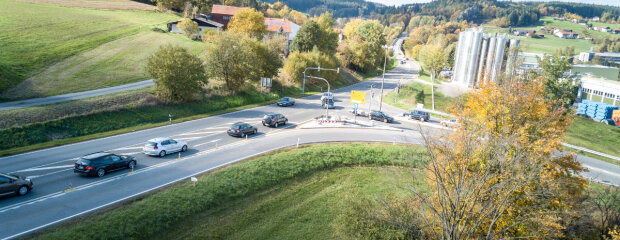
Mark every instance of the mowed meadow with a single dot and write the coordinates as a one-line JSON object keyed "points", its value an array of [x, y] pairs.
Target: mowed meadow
{"points": [[49, 49]]}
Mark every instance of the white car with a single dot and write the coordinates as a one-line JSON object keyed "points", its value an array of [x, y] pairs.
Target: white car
{"points": [[450, 123], [327, 95], [162, 146]]}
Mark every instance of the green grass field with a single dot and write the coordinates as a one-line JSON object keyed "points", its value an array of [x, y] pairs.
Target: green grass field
{"points": [[550, 43], [595, 136], [406, 98], [290, 194], [37, 36]]}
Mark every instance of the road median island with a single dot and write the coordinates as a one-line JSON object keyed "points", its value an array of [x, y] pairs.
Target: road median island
{"points": [[159, 212]]}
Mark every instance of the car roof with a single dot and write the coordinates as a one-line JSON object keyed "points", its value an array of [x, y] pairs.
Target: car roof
{"points": [[96, 155], [239, 123], [159, 139]]}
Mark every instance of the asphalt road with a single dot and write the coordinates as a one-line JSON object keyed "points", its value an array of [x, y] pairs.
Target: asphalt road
{"points": [[51, 169], [73, 96]]}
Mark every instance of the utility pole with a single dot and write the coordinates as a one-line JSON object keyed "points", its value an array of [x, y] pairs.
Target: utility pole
{"points": [[383, 78], [370, 102]]}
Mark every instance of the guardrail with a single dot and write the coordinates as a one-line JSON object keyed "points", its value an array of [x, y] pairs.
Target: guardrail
{"points": [[592, 151]]}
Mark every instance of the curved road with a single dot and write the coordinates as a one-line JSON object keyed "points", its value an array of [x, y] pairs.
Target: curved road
{"points": [[210, 148]]}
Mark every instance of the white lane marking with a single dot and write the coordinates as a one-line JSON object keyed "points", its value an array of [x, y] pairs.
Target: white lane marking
{"points": [[188, 138], [126, 148], [47, 174], [44, 168], [212, 141], [601, 170], [194, 133], [47, 164]]}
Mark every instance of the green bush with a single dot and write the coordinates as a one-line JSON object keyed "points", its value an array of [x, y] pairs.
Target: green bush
{"points": [[160, 211], [108, 121]]}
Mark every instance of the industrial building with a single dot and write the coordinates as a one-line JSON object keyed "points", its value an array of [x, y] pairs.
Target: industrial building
{"points": [[599, 89], [481, 56]]}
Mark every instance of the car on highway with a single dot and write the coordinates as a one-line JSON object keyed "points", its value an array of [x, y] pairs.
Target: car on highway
{"points": [[450, 123], [380, 116], [162, 146], [274, 120], [327, 95], [328, 103], [418, 115], [100, 163], [14, 185], [241, 129], [285, 102]]}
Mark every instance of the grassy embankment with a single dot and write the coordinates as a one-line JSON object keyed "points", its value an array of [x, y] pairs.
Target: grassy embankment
{"points": [[406, 98], [595, 136], [295, 194], [550, 43], [49, 49]]}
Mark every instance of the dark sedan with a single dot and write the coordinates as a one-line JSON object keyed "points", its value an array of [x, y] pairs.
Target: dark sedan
{"points": [[274, 120], [285, 102], [380, 116], [12, 184], [98, 164], [241, 130]]}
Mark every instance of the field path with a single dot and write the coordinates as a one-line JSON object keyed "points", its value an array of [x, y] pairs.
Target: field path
{"points": [[74, 96]]}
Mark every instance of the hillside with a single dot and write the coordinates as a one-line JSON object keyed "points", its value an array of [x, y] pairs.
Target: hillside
{"points": [[55, 41]]}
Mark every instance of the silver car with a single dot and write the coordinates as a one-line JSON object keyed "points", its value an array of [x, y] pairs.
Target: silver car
{"points": [[162, 146]]}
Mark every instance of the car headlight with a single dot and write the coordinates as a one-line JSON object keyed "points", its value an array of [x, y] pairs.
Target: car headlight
{"points": [[28, 179]]}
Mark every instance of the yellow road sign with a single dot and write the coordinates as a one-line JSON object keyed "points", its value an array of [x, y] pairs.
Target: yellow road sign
{"points": [[358, 97]]}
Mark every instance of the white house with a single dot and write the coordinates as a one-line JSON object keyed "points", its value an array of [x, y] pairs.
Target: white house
{"points": [[202, 22]]}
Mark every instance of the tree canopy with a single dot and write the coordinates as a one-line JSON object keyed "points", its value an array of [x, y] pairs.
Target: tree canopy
{"points": [[248, 21], [178, 74]]}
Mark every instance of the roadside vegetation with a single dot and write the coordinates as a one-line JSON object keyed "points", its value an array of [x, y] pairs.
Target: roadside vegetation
{"points": [[166, 211]]}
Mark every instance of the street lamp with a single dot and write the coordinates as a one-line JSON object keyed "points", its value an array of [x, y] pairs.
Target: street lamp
{"points": [[383, 78], [328, 90], [303, 86]]}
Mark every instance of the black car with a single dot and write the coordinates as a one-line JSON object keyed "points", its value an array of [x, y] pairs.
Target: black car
{"points": [[12, 184], [275, 119], [285, 102], [418, 115], [241, 130], [98, 164], [380, 116]]}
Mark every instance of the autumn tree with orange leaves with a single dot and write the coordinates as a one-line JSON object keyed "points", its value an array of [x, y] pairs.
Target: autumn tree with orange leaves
{"points": [[501, 174]]}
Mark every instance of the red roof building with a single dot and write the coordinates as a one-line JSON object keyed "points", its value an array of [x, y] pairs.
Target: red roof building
{"points": [[222, 13]]}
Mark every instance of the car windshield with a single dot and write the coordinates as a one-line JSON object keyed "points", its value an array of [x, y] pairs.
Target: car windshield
{"points": [[284, 99], [8, 176], [83, 161], [235, 127], [151, 144], [330, 101], [267, 116]]}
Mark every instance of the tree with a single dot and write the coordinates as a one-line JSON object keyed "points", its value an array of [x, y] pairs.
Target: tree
{"points": [[499, 175], [208, 33], [189, 27], [250, 22], [560, 84], [434, 59], [236, 59], [329, 37], [297, 62], [362, 50], [308, 36], [178, 74], [606, 202], [277, 43]]}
